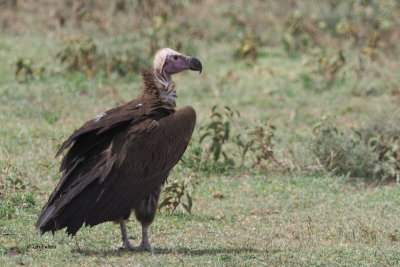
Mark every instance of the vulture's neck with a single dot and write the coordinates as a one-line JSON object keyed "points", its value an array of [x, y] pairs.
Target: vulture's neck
{"points": [[158, 86]]}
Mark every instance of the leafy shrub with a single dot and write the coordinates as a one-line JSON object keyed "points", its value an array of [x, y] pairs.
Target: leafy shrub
{"points": [[248, 49], [257, 144], [7, 210], [326, 66], [329, 63], [300, 32], [208, 153], [221, 147], [83, 54], [341, 151], [213, 152], [80, 54], [175, 191], [125, 61], [28, 69], [12, 178], [218, 131], [383, 135], [369, 152], [24, 66], [369, 25], [373, 24]]}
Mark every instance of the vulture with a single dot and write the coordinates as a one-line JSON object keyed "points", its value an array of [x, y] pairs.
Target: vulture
{"points": [[117, 162]]}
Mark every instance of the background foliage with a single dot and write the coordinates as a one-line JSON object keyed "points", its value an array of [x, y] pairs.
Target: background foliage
{"points": [[295, 159]]}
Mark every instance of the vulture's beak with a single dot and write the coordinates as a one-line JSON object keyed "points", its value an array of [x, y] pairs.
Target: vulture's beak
{"points": [[195, 64]]}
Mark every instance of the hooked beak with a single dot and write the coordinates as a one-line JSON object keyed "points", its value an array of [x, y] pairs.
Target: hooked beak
{"points": [[195, 64]]}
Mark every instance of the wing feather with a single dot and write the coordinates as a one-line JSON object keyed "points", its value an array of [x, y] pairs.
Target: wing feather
{"points": [[115, 162]]}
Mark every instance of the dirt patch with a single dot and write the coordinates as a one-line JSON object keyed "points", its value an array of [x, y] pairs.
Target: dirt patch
{"points": [[13, 251]]}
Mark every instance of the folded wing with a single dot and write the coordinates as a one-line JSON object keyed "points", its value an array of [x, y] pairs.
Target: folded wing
{"points": [[114, 162]]}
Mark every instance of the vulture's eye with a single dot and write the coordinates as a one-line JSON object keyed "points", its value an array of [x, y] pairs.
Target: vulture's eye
{"points": [[175, 57]]}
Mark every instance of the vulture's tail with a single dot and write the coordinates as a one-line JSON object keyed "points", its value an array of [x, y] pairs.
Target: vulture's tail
{"points": [[75, 196], [71, 214]]}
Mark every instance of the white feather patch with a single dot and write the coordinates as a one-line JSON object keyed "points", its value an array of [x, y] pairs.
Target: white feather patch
{"points": [[168, 93], [166, 90], [100, 116], [169, 96]]}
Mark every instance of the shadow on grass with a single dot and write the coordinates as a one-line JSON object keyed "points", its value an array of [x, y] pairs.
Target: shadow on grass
{"points": [[209, 251], [165, 251]]}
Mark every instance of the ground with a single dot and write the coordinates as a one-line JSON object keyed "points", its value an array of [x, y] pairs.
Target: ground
{"points": [[247, 216]]}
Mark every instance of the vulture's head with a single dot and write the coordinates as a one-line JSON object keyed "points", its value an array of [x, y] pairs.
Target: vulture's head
{"points": [[168, 62]]}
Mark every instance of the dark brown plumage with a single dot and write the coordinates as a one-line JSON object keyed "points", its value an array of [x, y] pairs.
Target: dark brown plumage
{"points": [[118, 161]]}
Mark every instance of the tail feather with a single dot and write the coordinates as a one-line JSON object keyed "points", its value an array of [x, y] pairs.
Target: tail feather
{"points": [[45, 217], [71, 215], [71, 202]]}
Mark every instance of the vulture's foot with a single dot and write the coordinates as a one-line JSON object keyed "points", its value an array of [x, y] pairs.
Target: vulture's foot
{"points": [[127, 245], [144, 246]]}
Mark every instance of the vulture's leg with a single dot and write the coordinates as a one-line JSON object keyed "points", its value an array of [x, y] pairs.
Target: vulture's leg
{"points": [[125, 240], [145, 214], [145, 244]]}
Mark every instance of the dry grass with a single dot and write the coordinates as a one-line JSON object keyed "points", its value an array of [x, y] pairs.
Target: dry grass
{"points": [[247, 216]]}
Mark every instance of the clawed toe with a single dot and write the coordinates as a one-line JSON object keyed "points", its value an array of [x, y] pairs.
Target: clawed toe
{"points": [[127, 246], [141, 247]]}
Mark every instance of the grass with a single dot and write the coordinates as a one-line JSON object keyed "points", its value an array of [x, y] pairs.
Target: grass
{"points": [[259, 220], [245, 217]]}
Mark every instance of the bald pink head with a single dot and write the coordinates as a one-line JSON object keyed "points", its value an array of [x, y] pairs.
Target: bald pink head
{"points": [[168, 62]]}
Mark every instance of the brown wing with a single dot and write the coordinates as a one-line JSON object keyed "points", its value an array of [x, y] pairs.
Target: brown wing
{"points": [[95, 136], [148, 161], [123, 165]]}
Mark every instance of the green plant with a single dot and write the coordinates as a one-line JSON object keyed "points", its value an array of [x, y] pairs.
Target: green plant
{"points": [[383, 135], [300, 32], [248, 49], [79, 54], [24, 66], [372, 151], [126, 61], [326, 66], [329, 63], [12, 178], [257, 143], [7, 210], [218, 131], [340, 151], [28, 70], [373, 26], [176, 190]]}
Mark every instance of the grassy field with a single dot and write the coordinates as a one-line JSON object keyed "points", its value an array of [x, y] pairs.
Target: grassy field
{"points": [[276, 64]]}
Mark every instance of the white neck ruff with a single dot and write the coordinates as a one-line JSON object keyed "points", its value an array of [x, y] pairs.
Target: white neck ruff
{"points": [[166, 91]]}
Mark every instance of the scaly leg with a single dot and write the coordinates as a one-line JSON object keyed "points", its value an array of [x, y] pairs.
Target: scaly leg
{"points": [[125, 240], [144, 245]]}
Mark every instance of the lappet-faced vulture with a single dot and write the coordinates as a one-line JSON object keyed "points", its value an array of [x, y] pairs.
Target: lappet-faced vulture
{"points": [[118, 161]]}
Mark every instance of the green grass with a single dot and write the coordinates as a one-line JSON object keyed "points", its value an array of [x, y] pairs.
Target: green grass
{"points": [[247, 217], [272, 220]]}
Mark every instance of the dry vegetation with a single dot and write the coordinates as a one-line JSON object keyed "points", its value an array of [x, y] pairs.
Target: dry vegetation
{"points": [[296, 156]]}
